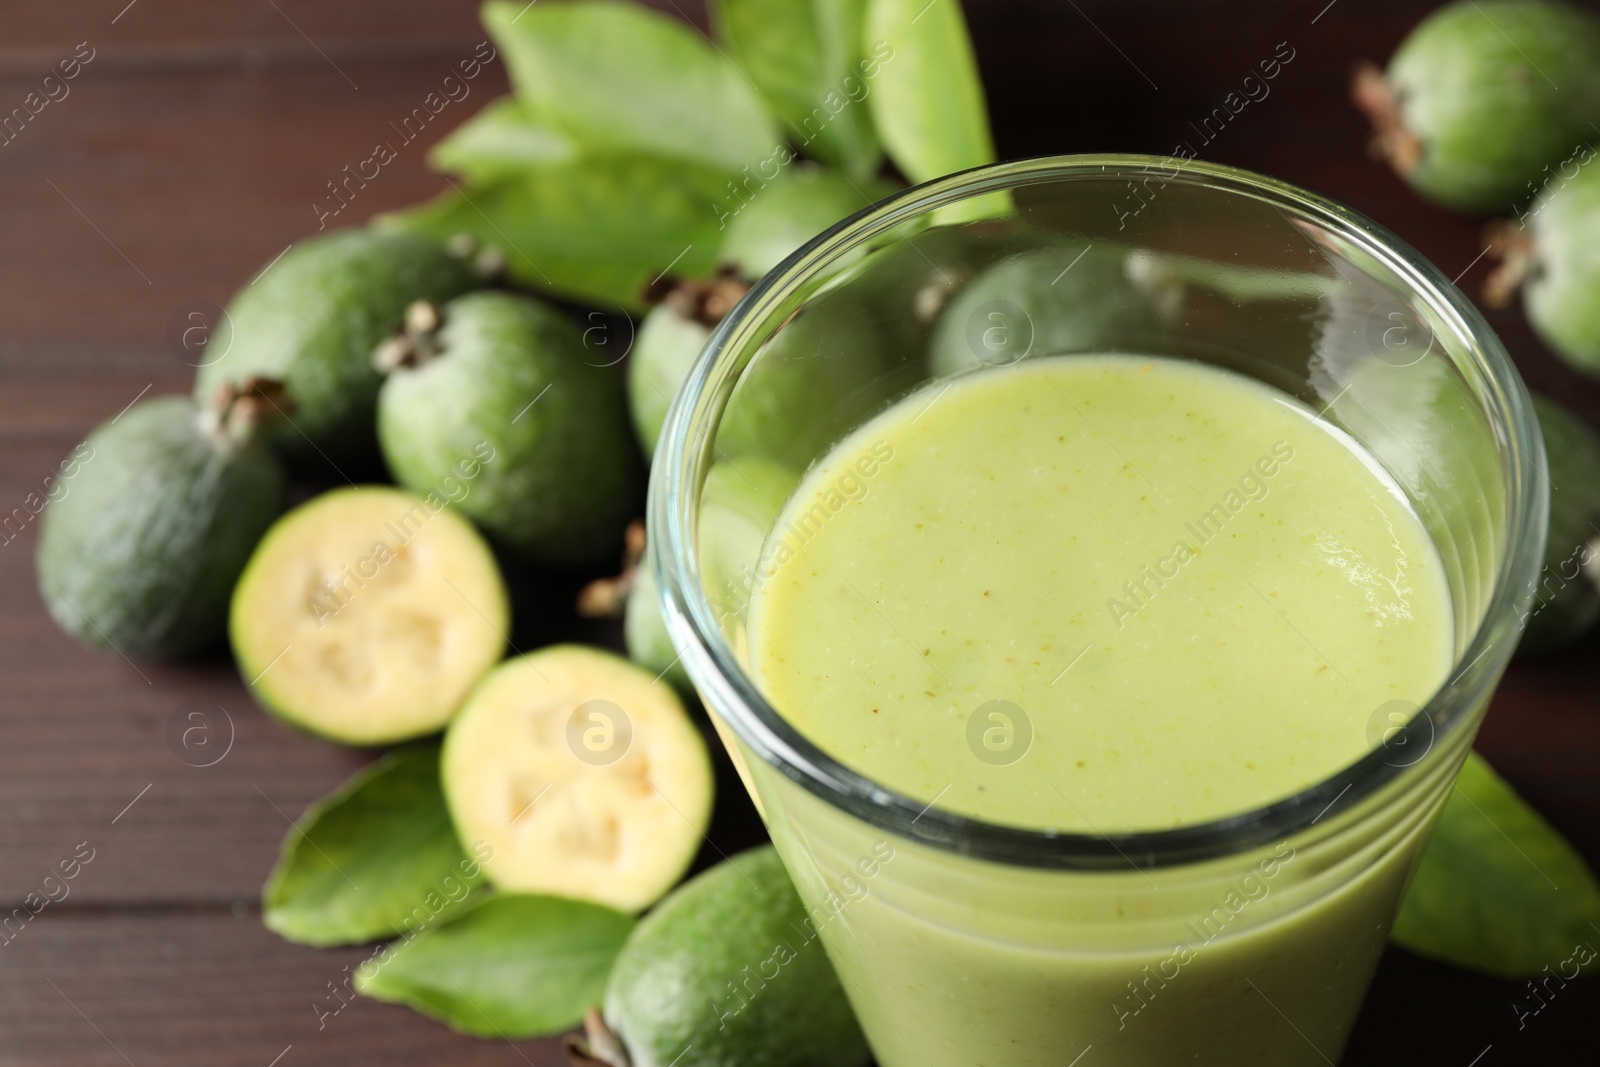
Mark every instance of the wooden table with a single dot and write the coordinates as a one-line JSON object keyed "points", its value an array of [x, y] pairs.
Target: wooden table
{"points": [[189, 152]]}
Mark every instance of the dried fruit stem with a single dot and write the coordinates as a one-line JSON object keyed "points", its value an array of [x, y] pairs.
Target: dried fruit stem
{"points": [[706, 302], [1391, 141], [416, 343], [238, 410], [1514, 249], [606, 597], [597, 1046]]}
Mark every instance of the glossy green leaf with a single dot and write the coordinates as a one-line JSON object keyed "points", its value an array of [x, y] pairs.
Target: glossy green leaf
{"points": [[503, 138], [596, 229], [806, 57], [513, 966], [620, 76], [927, 100], [374, 858], [1498, 890]]}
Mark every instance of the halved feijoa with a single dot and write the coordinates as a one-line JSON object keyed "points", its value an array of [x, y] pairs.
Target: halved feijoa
{"points": [[582, 774], [367, 614], [151, 521], [312, 320]]}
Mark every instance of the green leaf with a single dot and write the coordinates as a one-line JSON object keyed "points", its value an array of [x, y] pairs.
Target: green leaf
{"points": [[807, 59], [1498, 889], [595, 229], [789, 212], [377, 854], [927, 100], [514, 966], [501, 139], [619, 76]]}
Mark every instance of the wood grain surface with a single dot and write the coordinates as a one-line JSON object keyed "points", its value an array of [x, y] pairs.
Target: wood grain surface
{"points": [[188, 153]]}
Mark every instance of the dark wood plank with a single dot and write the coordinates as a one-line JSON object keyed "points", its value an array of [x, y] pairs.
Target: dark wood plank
{"points": [[205, 986]]}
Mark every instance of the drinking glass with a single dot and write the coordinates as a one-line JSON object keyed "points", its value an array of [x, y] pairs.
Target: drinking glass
{"points": [[1249, 939]]}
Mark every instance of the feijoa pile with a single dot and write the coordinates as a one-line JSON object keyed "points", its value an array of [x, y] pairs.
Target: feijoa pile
{"points": [[456, 373], [410, 443]]}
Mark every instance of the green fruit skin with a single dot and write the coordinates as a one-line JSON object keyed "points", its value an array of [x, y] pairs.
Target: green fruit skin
{"points": [[781, 218], [673, 986], [517, 430], [644, 629], [1061, 299], [142, 550], [785, 215], [738, 507], [1566, 603], [852, 349], [312, 321], [1496, 91], [1563, 296], [839, 361], [662, 356]]}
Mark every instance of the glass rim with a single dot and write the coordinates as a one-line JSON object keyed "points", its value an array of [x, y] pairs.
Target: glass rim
{"points": [[732, 695]]}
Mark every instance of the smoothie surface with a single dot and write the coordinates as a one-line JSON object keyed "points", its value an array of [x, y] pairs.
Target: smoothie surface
{"points": [[1098, 593]]}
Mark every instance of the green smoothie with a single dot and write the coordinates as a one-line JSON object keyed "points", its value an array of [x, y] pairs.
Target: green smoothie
{"points": [[1190, 591], [1098, 594]]}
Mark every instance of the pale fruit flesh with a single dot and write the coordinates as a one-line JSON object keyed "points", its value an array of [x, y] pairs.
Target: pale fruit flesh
{"points": [[367, 615], [584, 776]]}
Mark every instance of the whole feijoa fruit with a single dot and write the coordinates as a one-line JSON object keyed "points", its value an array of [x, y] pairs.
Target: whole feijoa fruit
{"points": [[670, 339], [142, 543], [491, 402], [312, 320], [1062, 298], [1550, 253], [739, 506], [840, 359], [843, 356], [728, 972], [784, 215], [633, 596], [1484, 97], [644, 631], [1566, 602]]}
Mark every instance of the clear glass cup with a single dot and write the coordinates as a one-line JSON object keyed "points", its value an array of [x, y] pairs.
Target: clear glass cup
{"points": [[1247, 940]]}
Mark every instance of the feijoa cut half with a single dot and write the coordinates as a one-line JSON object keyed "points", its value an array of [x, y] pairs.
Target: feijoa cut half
{"points": [[154, 517], [582, 774], [367, 614], [311, 319], [493, 399]]}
